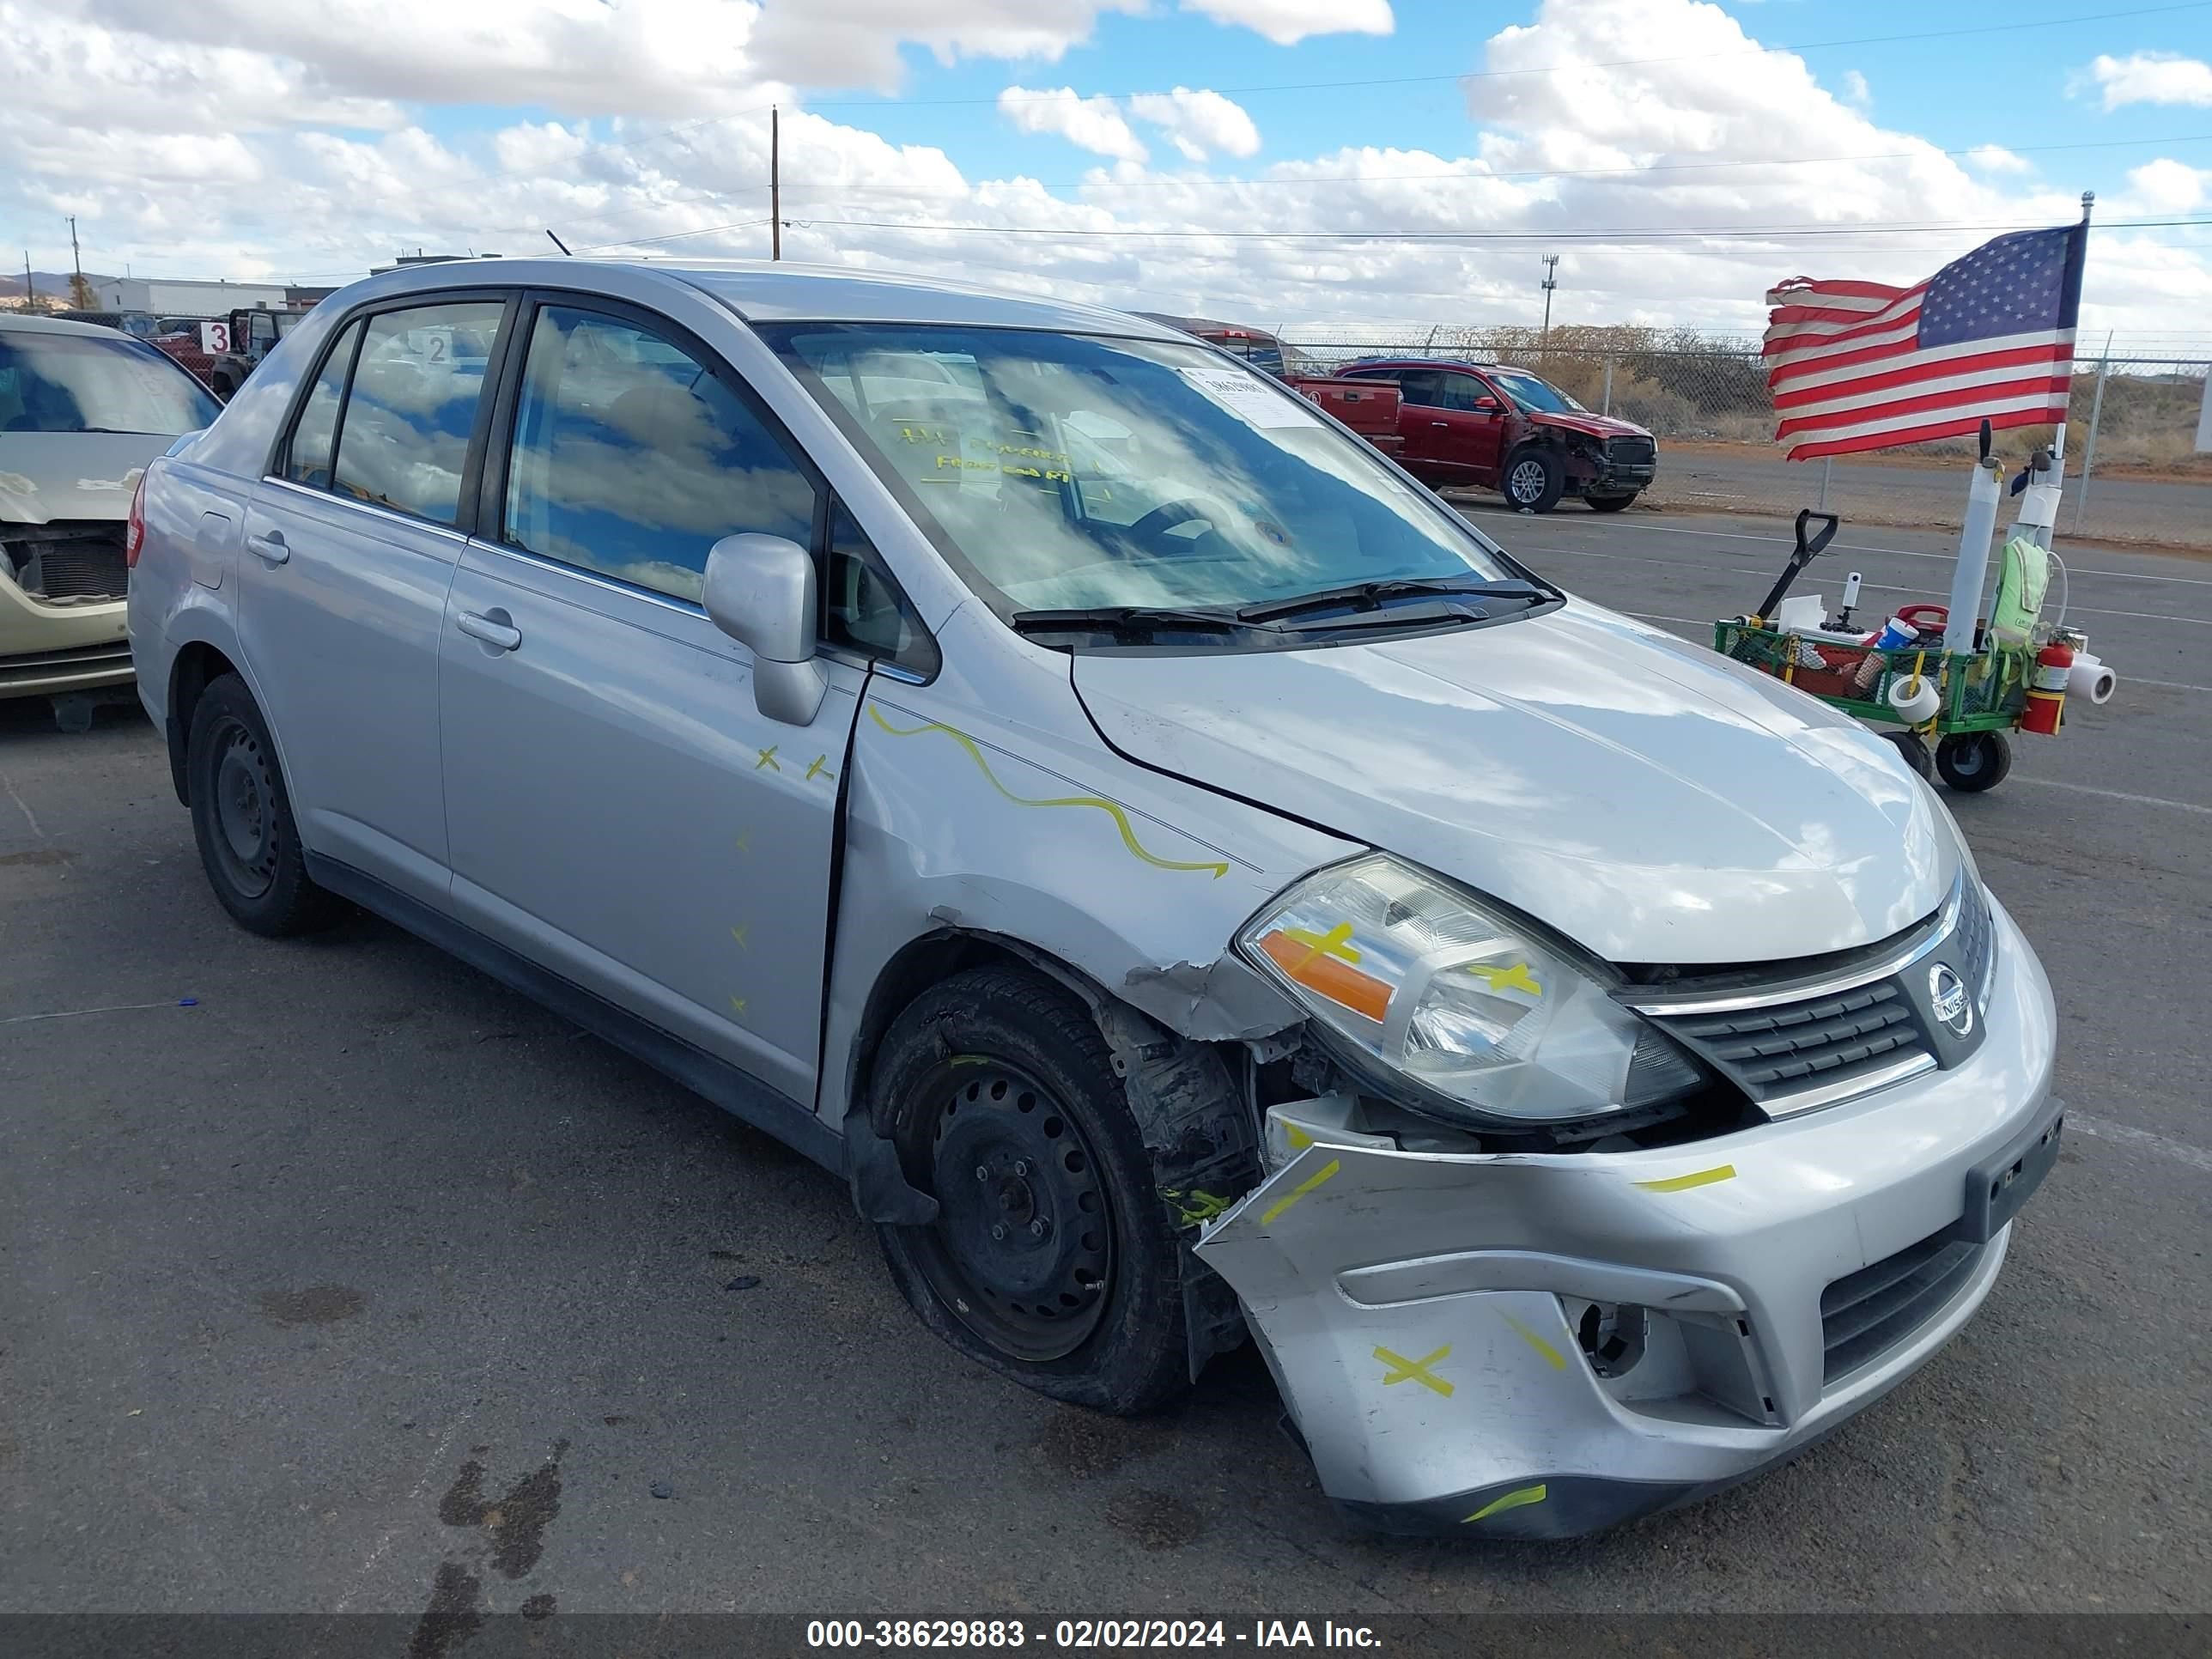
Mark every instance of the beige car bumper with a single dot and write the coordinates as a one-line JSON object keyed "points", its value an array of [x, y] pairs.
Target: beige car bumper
{"points": [[49, 649]]}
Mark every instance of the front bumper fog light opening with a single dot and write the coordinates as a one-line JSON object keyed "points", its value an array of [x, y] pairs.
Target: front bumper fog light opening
{"points": [[1611, 1336]]}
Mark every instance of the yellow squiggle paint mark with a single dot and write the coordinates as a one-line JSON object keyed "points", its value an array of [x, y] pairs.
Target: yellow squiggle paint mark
{"points": [[1551, 1355], [1512, 1500], [1121, 818], [1299, 1192], [1698, 1178]]}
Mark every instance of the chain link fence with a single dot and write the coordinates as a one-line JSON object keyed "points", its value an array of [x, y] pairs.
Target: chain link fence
{"points": [[2139, 430]]}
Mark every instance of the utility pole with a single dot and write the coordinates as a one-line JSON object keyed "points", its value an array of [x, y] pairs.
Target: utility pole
{"points": [[775, 184], [1551, 281], [30, 293], [80, 290]]}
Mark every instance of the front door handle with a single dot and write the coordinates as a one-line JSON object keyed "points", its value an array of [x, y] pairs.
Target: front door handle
{"points": [[270, 547], [494, 630], [1441, 426]]}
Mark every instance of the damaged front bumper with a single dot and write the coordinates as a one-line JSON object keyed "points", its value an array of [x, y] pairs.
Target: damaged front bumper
{"points": [[1544, 1345]]}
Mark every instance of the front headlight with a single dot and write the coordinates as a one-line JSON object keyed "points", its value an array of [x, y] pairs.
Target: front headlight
{"points": [[1418, 976]]}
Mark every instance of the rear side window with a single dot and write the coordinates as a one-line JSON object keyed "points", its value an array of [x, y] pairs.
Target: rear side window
{"points": [[403, 442], [308, 459], [1424, 386], [632, 459]]}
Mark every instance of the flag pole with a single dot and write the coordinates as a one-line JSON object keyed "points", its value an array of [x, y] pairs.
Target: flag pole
{"points": [[2038, 503]]}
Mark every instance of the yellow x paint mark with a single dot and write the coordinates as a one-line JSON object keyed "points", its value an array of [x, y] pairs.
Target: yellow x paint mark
{"points": [[1121, 818], [1298, 1137], [737, 1003], [738, 933], [820, 766], [1202, 1207], [1683, 1183], [1515, 978], [1337, 942], [745, 841], [1512, 1500], [1551, 1355], [768, 758], [1403, 1370], [1326, 1171]]}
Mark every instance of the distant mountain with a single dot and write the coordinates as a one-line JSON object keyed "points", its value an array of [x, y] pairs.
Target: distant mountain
{"points": [[49, 285]]}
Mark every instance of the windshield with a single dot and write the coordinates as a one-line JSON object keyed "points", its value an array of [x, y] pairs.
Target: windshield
{"points": [[1535, 397], [80, 383], [1064, 471]]}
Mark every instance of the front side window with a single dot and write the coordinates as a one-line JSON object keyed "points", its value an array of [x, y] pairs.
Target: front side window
{"points": [[1059, 471], [1461, 391], [631, 459], [404, 440], [83, 383], [308, 459]]}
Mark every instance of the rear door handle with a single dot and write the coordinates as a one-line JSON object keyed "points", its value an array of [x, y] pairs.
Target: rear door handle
{"points": [[494, 630], [1441, 426], [270, 547]]}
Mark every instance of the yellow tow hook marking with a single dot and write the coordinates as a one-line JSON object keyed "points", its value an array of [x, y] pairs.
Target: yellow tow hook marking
{"points": [[1682, 1183], [1415, 1371], [1512, 1500], [1299, 1192], [1552, 1357]]}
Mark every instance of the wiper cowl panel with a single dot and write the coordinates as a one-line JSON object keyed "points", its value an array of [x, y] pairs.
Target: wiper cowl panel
{"points": [[1369, 595], [1132, 620]]}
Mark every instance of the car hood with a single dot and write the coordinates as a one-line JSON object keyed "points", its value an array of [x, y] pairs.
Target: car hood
{"points": [[49, 476], [1594, 426], [1647, 798]]}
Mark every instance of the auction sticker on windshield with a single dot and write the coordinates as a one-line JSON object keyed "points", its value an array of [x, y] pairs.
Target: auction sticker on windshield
{"points": [[1252, 399]]}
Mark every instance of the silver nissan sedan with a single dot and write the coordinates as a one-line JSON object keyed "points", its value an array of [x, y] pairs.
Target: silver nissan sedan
{"points": [[1185, 880]]}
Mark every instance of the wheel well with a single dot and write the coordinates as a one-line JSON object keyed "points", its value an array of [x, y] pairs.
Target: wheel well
{"points": [[920, 964], [198, 667]]}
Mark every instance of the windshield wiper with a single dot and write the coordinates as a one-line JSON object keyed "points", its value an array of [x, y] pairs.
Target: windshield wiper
{"points": [[1134, 621], [1369, 595]]}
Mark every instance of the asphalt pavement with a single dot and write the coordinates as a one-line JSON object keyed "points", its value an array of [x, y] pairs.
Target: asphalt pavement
{"points": [[334, 1277]]}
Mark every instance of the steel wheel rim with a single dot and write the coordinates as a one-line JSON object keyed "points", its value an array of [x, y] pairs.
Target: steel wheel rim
{"points": [[1527, 482], [1970, 758], [244, 790], [1004, 1153]]}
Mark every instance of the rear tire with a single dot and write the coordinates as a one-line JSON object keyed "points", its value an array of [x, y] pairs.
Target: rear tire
{"points": [[1971, 762], [1532, 480], [1005, 1107], [1915, 750], [1609, 503], [242, 819]]}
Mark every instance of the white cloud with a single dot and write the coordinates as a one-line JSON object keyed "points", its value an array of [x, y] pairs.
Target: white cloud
{"points": [[2165, 186], [1286, 23], [1856, 90], [1198, 122], [2149, 78], [1996, 158], [1094, 123]]}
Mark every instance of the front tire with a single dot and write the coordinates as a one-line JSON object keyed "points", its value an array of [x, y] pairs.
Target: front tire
{"points": [[1971, 762], [1532, 480], [242, 819], [1609, 503], [1052, 1260]]}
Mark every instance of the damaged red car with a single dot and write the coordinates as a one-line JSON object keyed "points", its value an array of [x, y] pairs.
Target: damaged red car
{"points": [[1486, 425]]}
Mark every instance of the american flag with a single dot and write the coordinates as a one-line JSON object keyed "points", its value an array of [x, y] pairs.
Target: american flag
{"points": [[1988, 337]]}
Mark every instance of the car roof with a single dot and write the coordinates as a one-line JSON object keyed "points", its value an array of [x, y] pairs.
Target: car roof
{"points": [[763, 291], [1425, 363], [17, 322]]}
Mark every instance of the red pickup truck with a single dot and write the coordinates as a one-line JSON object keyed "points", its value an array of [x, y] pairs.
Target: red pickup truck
{"points": [[1486, 426], [1368, 407]]}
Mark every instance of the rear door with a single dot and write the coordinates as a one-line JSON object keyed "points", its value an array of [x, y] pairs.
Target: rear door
{"points": [[620, 810], [351, 543]]}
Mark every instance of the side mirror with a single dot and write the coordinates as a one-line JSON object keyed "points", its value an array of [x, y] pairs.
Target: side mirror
{"points": [[1486, 405], [760, 592]]}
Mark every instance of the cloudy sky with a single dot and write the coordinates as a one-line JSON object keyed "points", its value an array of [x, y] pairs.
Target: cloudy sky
{"points": [[1283, 161]]}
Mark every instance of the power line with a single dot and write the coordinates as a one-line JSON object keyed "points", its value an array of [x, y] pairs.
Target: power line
{"points": [[1548, 68]]}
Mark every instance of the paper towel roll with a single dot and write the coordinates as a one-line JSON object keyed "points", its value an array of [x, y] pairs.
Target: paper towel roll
{"points": [[1915, 703], [2090, 678]]}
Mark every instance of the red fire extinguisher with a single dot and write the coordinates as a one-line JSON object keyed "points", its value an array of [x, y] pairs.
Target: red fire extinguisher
{"points": [[2046, 692]]}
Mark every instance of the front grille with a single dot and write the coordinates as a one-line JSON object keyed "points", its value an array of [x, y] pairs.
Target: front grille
{"points": [[1631, 451], [1866, 1314], [1789, 1045], [69, 559], [1975, 942]]}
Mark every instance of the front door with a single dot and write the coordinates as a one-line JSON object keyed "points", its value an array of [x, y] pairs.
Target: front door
{"points": [[1432, 451], [342, 597], [619, 809], [1474, 415]]}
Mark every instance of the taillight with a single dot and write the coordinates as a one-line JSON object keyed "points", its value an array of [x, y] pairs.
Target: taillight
{"points": [[134, 531]]}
